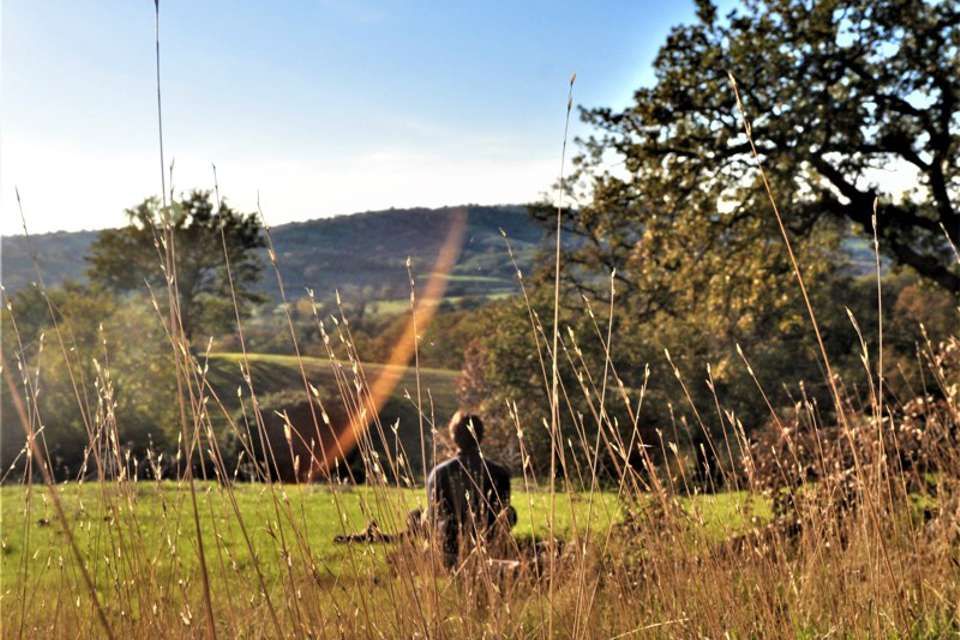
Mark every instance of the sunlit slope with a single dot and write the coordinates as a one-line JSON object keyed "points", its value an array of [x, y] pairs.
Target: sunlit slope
{"points": [[277, 381]]}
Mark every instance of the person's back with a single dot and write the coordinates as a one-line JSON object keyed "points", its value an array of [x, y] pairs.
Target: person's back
{"points": [[467, 494]]}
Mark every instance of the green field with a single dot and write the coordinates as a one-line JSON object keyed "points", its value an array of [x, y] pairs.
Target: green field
{"points": [[402, 305], [155, 518], [154, 521]]}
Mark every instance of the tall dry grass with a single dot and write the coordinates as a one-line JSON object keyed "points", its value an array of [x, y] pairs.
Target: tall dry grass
{"points": [[860, 545]]}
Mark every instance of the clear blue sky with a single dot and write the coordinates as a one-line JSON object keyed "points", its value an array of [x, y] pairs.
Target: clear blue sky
{"points": [[326, 107]]}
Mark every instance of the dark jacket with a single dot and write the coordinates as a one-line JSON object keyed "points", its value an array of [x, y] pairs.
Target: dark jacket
{"points": [[465, 495]]}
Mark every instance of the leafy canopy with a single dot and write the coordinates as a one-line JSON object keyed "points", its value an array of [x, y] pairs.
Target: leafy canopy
{"points": [[669, 204], [124, 259], [836, 91]]}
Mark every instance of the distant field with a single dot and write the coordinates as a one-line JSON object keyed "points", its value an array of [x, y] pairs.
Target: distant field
{"points": [[319, 369], [452, 277], [401, 305]]}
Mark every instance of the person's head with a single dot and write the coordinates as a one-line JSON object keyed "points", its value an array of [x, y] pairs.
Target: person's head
{"points": [[466, 430]]}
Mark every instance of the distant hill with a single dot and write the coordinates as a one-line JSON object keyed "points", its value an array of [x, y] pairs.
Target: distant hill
{"points": [[60, 256], [361, 254], [367, 252]]}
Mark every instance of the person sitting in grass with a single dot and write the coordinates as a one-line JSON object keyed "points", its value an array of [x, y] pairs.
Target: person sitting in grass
{"points": [[468, 496]]}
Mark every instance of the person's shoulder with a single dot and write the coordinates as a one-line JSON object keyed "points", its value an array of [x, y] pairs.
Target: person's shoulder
{"points": [[444, 467], [497, 469]]}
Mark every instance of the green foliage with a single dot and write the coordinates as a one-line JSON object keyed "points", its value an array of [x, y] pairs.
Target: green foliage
{"points": [[85, 376], [196, 234], [442, 342], [834, 90], [504, 379], [682, 233]]}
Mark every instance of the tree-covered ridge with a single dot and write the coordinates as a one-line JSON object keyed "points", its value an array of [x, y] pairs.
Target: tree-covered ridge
{"points": [[60, 256], [363, 253]]}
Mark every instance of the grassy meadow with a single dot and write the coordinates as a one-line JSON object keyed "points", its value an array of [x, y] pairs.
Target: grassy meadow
{"points": [[321, 512], [279, 525]]}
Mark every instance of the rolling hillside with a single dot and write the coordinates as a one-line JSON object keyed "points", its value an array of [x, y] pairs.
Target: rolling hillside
{"points": [[60, 256], [279, 387], [361, 254]]}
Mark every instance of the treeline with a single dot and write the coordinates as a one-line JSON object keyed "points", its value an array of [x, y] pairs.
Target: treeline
{"points": [[362, 255], [687, 203], [106, 363], [681, 313]]}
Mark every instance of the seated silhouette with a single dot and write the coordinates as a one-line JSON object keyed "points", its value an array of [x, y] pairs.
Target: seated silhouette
{"points": [[468, 496]]}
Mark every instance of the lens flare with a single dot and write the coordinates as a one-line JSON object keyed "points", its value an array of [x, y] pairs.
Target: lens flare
{"points": [[425, 307]]}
